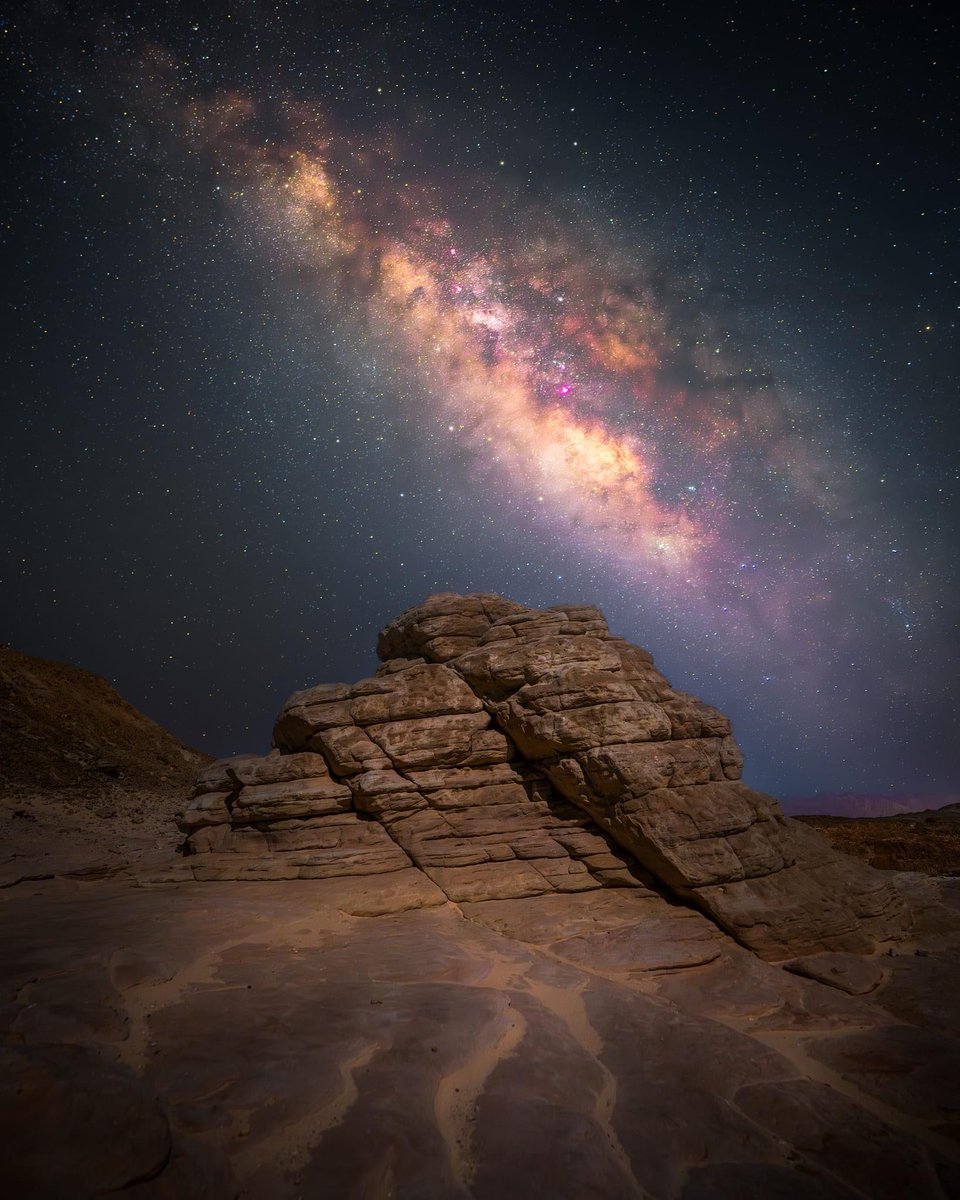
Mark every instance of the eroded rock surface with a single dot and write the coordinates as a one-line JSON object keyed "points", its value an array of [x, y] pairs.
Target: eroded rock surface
{"points": [[507, 752], [198, 1041]]}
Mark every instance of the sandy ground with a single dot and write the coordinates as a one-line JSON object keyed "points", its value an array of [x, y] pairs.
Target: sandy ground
{"points": [[75, 832]]}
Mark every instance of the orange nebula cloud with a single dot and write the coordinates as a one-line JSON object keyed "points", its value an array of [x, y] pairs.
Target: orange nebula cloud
{"points": [[463, 329]]}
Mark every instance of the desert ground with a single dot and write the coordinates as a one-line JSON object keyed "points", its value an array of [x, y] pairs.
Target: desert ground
{"points": [[211, 1025]]}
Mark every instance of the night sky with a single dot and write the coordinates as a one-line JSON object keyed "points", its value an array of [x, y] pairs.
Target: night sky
{"points": [[313, 310]]}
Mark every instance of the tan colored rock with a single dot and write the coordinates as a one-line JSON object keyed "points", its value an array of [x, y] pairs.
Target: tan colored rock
{"points": [[691, 718], [209, 808], [277, 768], [210, 839], [297, 798], [496, 669], [218, 777], [389, 807], [460, 778], [490, 881], [878, 905], [485, 797], [783, 914], [315, 849], [443, 627], [425, 690], [309, 711], [349, 750], [545, 735], [433, 741], [512, 752], [607, 1043], [380, 783], [576, 687], [612, 769], [731, 758], [565, 875], [851, 973]]}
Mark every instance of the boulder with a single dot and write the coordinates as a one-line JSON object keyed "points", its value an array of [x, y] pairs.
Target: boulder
{"points": [[510, 752]]}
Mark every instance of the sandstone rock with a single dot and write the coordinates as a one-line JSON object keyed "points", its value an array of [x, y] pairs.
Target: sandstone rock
{"points": [[489, 881], [543, 735], [852, 973], [418, 691], [443, 626], [209, 839], [840, 1135], [218, 776], [309, 711], [609, 1043], [276, 768], [433, 741], [910, 1069], [297, 798], [498, 668], [509, 752], [349, 750], [783, 914], [208, 808], [75, 1124]]}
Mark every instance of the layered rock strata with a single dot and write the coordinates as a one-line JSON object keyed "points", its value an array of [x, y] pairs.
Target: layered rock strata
{"points": [[509, 752]]}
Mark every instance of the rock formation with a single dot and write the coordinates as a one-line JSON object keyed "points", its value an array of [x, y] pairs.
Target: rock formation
{"points": [[507, 752]]}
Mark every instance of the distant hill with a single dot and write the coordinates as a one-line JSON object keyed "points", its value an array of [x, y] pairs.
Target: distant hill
{"points": [[927, 841], [87, 783], [857, 804], [63, 728]]}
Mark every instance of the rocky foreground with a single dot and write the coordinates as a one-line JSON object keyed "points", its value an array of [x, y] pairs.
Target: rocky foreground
{"points": [[501, 921]]}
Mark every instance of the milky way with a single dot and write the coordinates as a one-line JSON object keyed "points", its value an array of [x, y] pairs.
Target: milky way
{"points": [[582, 379], [313, 310]]}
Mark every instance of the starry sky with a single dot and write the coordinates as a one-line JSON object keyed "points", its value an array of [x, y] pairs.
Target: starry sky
{"points": [[313, 310]]}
